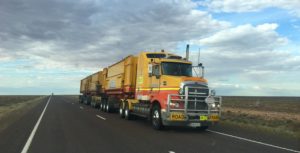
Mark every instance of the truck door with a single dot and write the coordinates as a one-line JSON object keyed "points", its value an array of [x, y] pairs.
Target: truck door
{"points": [[155, 79]]}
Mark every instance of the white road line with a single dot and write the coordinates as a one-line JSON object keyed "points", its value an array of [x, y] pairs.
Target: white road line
{"points": [[81, 107], [171, 151], [28, 143], [253, 141], [101, 117]]}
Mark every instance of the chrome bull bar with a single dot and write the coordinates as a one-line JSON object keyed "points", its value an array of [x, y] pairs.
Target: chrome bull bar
{"points": [[183, 102]]}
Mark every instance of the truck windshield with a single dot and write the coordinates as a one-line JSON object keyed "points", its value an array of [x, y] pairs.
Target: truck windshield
{"points": [[177, 69]]}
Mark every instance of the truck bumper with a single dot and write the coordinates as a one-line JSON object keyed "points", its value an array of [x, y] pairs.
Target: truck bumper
{"points": [[187, 122]]}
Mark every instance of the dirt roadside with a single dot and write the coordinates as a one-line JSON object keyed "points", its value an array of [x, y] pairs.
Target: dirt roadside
{"points": [[12, 112], [267, 115], [279, 123]]}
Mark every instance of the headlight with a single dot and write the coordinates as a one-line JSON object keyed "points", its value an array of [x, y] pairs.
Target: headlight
{"points": [[180, 91], [213, 105], [175, 105]]}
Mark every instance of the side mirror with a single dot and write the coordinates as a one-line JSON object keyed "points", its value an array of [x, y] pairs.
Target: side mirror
{"points": [[213, 92], [150, 70]]}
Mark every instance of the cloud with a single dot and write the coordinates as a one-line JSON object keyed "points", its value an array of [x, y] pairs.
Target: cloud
{"points": [[246, 38], [251, 6], [250, 57], [246, 48], [95, 33], [56, 39], [58, 42]]}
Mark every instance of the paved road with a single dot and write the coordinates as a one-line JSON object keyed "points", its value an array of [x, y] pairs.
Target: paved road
{"points": [[69, 127]]}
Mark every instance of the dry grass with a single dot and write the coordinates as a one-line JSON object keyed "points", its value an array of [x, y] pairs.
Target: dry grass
{"points": [[266, 115], [274, 104], [13, 107], [280, 115], [10, 100]]}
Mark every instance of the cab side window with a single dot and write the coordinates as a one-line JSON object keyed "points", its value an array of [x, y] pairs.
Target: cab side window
{"points": [[155, 70]]}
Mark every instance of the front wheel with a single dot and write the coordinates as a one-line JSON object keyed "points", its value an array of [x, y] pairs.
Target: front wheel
{"points": [[156, 118]]}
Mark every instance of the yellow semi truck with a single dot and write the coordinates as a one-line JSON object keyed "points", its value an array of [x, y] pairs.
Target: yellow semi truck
{"points": [[159, 86]]}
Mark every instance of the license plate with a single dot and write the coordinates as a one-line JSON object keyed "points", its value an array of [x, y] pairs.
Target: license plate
{"points": [[203, 118], [213, 117], [177, 116], [195, 124]]}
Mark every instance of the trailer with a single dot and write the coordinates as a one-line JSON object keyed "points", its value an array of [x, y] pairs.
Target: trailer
{"points": [[91, 89]]}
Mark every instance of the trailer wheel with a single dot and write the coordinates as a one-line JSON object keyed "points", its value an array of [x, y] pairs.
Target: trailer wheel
{"points": [[97, 105], [80, 99], [121, 110], [85, 100], [102, 106], [92, 104], [107, 108], [88, 100], [156, 118], [127, 114]]}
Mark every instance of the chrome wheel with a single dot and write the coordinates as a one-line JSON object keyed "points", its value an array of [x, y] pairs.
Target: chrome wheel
{"points": [[121, 111], [107, 107], [127, 113]]}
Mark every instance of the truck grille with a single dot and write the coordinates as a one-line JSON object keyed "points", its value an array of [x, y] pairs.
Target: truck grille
{"points": [[196, 98]]}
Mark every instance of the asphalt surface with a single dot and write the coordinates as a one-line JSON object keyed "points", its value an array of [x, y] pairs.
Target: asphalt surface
{"points": [[70, 127]]}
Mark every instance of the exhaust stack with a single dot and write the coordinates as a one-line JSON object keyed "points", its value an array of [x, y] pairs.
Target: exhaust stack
{"points": [[187, 53]]}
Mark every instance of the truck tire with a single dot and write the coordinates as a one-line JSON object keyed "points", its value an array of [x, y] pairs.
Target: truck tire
{"points": [[121, 110], [92, 104], [127, 114], [88, 100], [80, 99], [85, 100], [107, 107], [102, 106], [104, 101], [156, 118], [97, 104]]}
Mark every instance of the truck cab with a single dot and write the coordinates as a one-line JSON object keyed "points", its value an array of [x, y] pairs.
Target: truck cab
{"points": [[175, 97]]}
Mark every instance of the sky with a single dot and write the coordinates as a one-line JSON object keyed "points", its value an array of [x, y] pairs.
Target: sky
{"points": [[248, 48]]}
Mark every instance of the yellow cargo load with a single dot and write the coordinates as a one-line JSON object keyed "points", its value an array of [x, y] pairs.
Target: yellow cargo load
{"points": [[122, 75], [83, 85], [94, 82], [88, 82]]}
